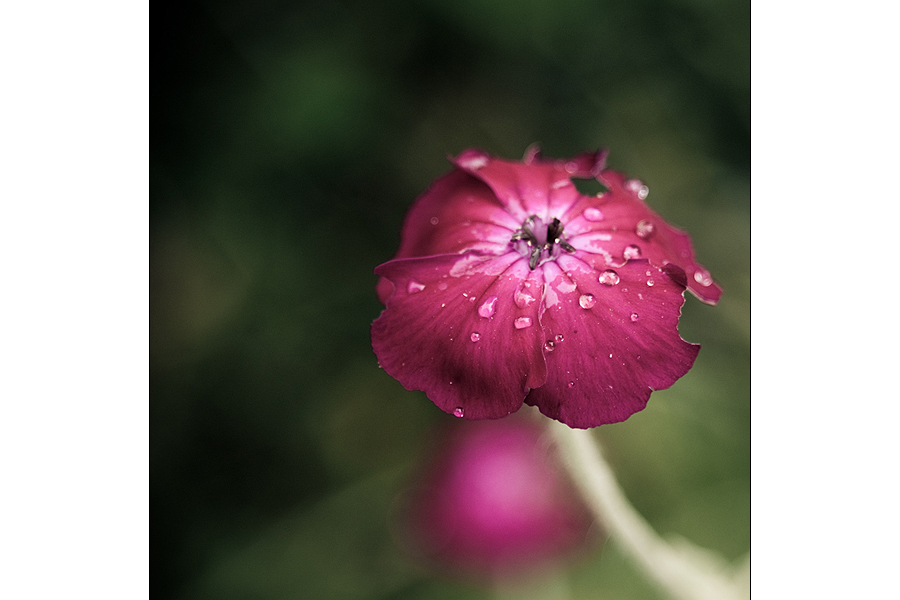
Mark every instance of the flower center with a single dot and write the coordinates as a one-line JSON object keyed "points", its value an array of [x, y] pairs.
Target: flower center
{"points": [[540, 242]]}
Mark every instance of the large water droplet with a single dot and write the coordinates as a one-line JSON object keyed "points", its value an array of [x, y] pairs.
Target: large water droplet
{"points": [[486, 310], [414, 287], [703, 278], [609, 277], [559, 338], [475, 336], [650, 283], [442, 286], [634, 317], [549, 346], [631, 252], [587, 301], [523, 296], [522, 322], [644, 229], [458, 411], [593, 214]]}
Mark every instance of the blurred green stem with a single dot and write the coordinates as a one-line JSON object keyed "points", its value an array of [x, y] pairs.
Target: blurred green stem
{"points": [[683, 570]]}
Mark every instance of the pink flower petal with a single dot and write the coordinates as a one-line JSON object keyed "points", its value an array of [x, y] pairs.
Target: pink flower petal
{"points": [[540, 188], [614, 339], [464, 329], [492, 502], [505, 267], [629, 229], [457, 213], [586, 165]]}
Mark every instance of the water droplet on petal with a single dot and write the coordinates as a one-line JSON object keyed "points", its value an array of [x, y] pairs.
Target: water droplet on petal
{"points": [[587, 301], [571, 384], [638, 188], [634, 317], [644, 229], [414, 287], [593, 214], [702, 277], [475, 336], [523, 296], [473, 161], [650, 283], [434, 220], [631, 252], [609, 277], [571, 166], [486, 310], [442, 286], [522, 322], [610, 355], [549, 346], [559, 338], [458, 411]]}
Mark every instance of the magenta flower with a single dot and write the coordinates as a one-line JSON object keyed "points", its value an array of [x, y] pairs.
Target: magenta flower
{"points": [[491, 502], [510, 286]]}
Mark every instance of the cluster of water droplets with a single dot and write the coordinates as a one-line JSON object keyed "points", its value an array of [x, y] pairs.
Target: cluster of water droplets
{"points": [[638, 188], [703, 277], [550, 345]]}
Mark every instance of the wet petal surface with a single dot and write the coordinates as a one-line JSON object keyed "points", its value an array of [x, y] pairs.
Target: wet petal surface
{"points": [[615, 339], [630, 229], [464, 329], [511, 285]]}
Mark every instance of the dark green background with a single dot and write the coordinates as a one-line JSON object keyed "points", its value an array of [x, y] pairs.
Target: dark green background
{"points": [[287, 142]]}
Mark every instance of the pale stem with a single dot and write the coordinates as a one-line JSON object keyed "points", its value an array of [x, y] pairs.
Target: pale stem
{"points": [[685, 571]]}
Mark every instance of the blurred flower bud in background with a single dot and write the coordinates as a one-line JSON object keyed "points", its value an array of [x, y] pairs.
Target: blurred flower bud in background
{"points": [[491, 502]]}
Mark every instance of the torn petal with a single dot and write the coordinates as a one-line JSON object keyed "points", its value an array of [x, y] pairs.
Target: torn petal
{"points": [[616, 340]]}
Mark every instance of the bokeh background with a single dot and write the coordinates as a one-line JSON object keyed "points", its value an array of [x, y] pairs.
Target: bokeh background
{"points": [[288, 140]]}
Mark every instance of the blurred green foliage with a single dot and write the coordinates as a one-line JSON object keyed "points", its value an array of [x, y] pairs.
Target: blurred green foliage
{"points": [[288, 140]]}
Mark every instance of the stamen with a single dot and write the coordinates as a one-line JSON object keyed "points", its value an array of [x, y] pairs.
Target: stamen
{"points": [[540, 245], [535, 256]]}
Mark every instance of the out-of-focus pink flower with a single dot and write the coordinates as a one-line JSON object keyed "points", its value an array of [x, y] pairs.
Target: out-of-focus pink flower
{"points": [[512, 286], [493, 503]]}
